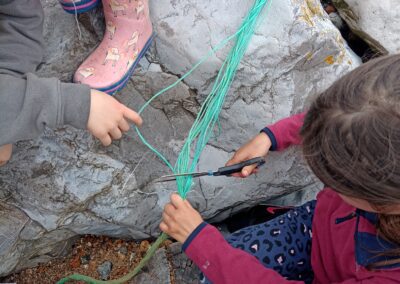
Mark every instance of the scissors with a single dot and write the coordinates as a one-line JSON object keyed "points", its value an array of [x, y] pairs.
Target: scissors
{"points": [[223, 171]]}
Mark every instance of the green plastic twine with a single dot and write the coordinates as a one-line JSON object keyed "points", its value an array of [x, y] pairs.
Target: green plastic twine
{"points": [[202, 128]]}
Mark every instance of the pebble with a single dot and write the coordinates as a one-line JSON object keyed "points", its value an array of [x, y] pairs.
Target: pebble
{"points": [[85, 259], [144, 246], [123, 250], [104, 270]]}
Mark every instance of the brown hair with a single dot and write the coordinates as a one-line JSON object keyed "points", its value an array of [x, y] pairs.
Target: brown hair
{"points": [[351, 140]]}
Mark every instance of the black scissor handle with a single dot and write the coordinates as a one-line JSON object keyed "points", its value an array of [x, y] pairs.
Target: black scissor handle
{"points": [[237, 168]]}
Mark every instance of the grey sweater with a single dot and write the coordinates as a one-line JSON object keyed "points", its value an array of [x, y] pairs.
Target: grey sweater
{"points": [[29, 103]]}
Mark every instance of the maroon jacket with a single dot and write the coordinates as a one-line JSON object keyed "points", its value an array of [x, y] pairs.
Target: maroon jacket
{"points": [[344, 239]]}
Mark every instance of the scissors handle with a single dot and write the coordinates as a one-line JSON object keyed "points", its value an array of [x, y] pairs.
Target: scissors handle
{"points": [[237, 168]]}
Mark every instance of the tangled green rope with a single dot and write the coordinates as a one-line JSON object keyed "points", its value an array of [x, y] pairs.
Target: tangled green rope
{"points": [[202, 128], [207, 117]]}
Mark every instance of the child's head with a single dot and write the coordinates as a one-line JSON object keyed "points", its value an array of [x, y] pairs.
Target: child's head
{"points": [[351, 135]]}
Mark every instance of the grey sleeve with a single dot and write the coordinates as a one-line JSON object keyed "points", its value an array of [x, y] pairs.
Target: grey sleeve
{"points": [[29, 103], [21, 36]]}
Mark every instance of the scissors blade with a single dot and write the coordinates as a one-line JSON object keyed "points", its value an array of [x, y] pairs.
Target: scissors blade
{"points": [[173, 177]]}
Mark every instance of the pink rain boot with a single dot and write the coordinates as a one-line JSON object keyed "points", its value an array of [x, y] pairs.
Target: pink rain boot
{"points": [[78, 6], [128, 36]]}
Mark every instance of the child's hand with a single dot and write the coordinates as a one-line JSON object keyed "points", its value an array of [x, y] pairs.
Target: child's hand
{"points": [[108, 118], [256, 147], [179, 219], [5, 154]]}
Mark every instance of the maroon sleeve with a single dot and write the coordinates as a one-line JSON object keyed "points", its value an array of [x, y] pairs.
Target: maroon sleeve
{"points": [[285, 132], [221, 263], [372, 280]]}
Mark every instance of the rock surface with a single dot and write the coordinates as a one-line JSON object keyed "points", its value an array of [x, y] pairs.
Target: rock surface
{"points": [[65, 183], [157, 270], [167, 265], [377, 22], [184, 270]]}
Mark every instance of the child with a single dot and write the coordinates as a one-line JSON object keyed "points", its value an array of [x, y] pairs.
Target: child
{"points": [[127, 37], [351, 141], [29, 103]]}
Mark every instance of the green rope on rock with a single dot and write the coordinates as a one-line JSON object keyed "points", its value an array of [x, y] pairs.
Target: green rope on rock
{"points": [[202, 128]]}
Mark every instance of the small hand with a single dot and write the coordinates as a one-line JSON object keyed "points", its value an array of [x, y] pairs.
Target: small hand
{"points": [[180, 219], [256, 147], [5, 154], [108, 118]]}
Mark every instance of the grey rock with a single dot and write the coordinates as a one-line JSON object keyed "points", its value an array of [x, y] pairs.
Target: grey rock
{"points": [[157, 271], [65, 183], [185, 271], [377, 22], [104, 270], [123, 250], [167, 262]]}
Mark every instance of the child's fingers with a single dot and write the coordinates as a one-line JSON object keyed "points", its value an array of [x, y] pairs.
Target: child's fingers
{"points": [[237, 158], [176, 200], [115, 133], [246, 171], [187, 203], [132, 115], [241, 155], [123, 125], [105, 140], [164, 227], [169, 209], [166, 218]]}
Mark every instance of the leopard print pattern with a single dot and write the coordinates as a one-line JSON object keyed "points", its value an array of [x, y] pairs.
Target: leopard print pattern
{"points": [[282, 244]]}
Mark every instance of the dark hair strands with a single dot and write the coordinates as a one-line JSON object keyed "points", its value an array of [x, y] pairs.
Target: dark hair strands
{"points": [[351, 141]]}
